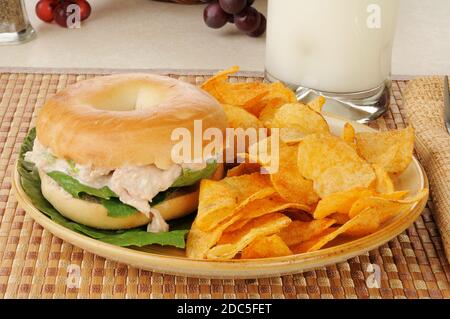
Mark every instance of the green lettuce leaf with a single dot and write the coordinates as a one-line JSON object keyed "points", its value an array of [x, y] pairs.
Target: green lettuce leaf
{"points": [[31, 184], [75, 188], [190, 177], [105, 195], [116, 208]]}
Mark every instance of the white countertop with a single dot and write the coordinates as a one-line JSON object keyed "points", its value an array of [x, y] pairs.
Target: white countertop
{"points": [[143, 34]]}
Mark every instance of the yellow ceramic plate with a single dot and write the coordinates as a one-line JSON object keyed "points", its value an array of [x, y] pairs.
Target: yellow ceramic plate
{"points": [[172, 260]]}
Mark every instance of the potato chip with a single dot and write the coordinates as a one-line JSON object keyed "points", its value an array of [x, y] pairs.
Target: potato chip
{"points": [[306, 245], [340, 219], [238, 94], [379, 201], [340, 203], [219, 199], [252, 97], [244, 169], [264, 206], [394, 195], [348, 134], [384, 183], [199, 240], [280, 91], [391, 150], [332, 165], [264, 152], [240, 118], [256, 104], [212, 85], [232, 243], [266, 247], [268, 112], [298, 231], [243, 94], [317, 104], [297, 121], [367, 222], [277, 95], [288, 181], [371, 218]]}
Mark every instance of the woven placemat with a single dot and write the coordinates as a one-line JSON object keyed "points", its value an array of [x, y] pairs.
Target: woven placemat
{"points": [[35, 264]]}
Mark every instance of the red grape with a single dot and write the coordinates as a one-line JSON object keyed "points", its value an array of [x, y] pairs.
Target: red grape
{"points": [[261, 29], [214, 16], [233, 6], [44, 10], [61, 13], [85, 9], [248, 20]]}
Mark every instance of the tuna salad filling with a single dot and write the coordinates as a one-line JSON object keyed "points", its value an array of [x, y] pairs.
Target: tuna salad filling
{"points": [[137, 188]]}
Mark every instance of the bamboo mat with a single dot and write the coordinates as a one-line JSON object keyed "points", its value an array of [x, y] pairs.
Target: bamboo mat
{"points": [[35, 264]]}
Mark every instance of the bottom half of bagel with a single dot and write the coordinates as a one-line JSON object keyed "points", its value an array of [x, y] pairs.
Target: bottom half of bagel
{"points": [[178, 204]]}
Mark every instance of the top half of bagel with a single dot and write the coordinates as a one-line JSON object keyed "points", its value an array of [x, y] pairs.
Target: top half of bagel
{"points": [[124, 119]]}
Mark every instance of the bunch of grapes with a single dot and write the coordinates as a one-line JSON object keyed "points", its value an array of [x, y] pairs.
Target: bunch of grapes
{"points": [[240, 12], [57, 10]]}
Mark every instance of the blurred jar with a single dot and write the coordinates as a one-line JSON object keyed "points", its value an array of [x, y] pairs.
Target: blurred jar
{"points": [[14, 25]]}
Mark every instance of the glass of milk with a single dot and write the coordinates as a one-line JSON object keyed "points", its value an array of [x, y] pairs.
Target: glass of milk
{"points": [[340, 49]]}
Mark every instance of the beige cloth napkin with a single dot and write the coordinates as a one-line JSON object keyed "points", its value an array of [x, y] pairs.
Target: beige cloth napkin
{"points": [[424, 103]]}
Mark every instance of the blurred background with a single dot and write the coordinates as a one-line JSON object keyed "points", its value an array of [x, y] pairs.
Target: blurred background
{"points": [[137, 34]]}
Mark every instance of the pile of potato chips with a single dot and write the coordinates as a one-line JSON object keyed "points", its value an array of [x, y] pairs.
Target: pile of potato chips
{"points": [[326, 186]]}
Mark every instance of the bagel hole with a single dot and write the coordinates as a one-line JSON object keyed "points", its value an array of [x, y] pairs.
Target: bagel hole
{"points": [[129, 98]]}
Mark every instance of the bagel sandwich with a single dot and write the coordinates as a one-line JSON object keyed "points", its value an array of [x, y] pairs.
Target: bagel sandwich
{"points": [[103, 150]]}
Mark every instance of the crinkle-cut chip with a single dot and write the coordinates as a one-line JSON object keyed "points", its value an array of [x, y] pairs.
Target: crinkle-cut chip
{"points": [[244, 169], [230, 244], [264, 206], [348, 134], [214, 83], [288, 181], [332, 165], [298, 231], [306, 245], [298, 120], [344, 177], [340, 203], [392, 150], [240, 118], [384, 183], [317, 104], [371, 218], [380, 200], [219, 199], [266, 247], [340, 219]]}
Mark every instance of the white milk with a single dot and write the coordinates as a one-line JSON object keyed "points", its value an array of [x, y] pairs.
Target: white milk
{"points": [[339, 46]]}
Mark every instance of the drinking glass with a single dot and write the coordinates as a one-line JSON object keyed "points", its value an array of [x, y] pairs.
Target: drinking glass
{"points": [[14, 25], [338, 49]]}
